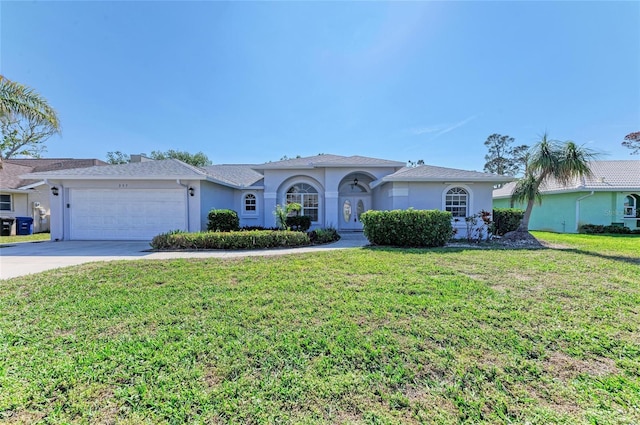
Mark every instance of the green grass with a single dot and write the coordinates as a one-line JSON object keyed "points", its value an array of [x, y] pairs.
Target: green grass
{"points": [[616, 245], [371, 336], [25, 238]]}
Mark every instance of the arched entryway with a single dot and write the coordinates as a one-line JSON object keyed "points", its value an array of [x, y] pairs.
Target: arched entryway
{"points": [[354, 199]]}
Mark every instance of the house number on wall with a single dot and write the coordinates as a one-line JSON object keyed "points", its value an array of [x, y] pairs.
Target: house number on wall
{"points": [[122, 185]]}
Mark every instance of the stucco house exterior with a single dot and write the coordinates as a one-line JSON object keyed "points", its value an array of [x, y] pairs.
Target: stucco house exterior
{"points": [[611, 195], [139, 200], [20, 197]]}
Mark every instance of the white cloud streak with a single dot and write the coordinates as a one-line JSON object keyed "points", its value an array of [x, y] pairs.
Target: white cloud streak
{"points": [[440, 129]]}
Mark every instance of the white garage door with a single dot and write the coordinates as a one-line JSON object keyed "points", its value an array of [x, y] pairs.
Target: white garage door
{"points": [[125, 214]]}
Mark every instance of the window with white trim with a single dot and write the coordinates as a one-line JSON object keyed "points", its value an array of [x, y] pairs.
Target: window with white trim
{"points": [[457, 202], [305, 195], [250, 203], [630, 206], [5, 203]]}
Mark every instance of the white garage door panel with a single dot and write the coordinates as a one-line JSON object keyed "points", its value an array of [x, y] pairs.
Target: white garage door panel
{"points": [[125, 214]]}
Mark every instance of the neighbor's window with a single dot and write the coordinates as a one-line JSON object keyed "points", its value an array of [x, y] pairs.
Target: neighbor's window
{"points": [[456, 202], [630, 206], [5, 202], [250, 203], [307, 196]]}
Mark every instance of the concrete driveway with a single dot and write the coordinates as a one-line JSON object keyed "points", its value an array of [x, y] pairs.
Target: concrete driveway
{"points": [[32, 257]]}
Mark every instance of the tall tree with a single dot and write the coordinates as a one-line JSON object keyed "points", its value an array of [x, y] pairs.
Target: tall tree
{"points": [[503, 158], [413, 164], [198, 159], [549, 159], [632, 141], [117, 157], [26, 120], [23, 136]]}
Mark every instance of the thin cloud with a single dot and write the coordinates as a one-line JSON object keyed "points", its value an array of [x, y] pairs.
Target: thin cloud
{"points": [[457, 125], [424, 130], [440, 129]]}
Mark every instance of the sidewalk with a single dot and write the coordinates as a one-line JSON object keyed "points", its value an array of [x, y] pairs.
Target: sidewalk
{"points": [[34, 257]]}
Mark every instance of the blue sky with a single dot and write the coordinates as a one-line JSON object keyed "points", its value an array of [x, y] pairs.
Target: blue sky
{"points": [[249, 82]]}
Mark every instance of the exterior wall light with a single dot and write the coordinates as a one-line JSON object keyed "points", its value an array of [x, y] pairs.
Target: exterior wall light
{"points": [[54, 191], [192, 191]]}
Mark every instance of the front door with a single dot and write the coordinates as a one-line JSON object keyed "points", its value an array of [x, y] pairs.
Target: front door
{"points": [[351, 208]]}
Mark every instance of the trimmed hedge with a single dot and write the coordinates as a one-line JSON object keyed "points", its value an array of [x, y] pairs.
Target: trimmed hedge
{"points": [[506, 220], [301, 223], [407, 228], [255, 239], [320, 236], [223, 221], [599, 228]]}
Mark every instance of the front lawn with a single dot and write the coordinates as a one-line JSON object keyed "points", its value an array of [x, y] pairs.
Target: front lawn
{"points": [[25, 238], [371, 335]]}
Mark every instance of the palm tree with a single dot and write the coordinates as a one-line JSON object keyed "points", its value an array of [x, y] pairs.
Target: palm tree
{"points": [[16, 99], [18, 103], [549, 159]]}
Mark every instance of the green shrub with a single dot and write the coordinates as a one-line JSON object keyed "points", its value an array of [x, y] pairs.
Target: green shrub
{"points": [[599, 228], [412, 228], [506, 220], [254, 239], [223, 221], [300, 223], [320, 236]]}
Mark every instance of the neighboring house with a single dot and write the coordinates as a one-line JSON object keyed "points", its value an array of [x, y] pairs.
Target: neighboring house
{"points": [[611, 195], [21, 197], [139, 200]]}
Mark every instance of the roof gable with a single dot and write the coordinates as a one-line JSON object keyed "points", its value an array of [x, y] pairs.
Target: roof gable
{"points": [[14, 170], [328, 161], [442, 174], [236, 174], [164, 169], [606, 175]]}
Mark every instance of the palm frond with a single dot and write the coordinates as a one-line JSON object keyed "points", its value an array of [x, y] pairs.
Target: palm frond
{"points": [[573, 162], [526, 189], [17, 99]]}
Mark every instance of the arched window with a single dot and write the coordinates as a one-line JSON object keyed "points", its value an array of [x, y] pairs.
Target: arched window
{"points": [[250, 203], [305, 195], [630, 206], [457, 202]]}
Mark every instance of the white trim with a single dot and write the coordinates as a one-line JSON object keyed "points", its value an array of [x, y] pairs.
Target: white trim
{"points": [[11, 202], [578, 209], [469, 198], [244, 212]]}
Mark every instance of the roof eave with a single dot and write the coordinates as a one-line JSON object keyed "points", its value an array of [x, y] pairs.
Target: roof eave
{"points": [[6, 190], [446, 180], [115, 177]]}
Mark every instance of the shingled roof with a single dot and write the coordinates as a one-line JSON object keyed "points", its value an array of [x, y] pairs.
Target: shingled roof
{"points": [[329, 161], [606, 176], [237, 174], [443, 174], [14, 168]]}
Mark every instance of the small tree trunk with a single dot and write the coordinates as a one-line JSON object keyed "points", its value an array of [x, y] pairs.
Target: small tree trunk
{"points": [[524, 223]]}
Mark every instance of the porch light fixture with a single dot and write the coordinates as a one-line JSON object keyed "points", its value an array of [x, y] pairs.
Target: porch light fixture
{"points": [[355, 181], [54, 191], [192, 191]]}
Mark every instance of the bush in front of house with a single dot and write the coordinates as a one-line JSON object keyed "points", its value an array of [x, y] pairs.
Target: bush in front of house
{"points": [[599, 228], [300, 223], [254, 239], [321, 236], [223, 221], [506, 220], [407, 228]]}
